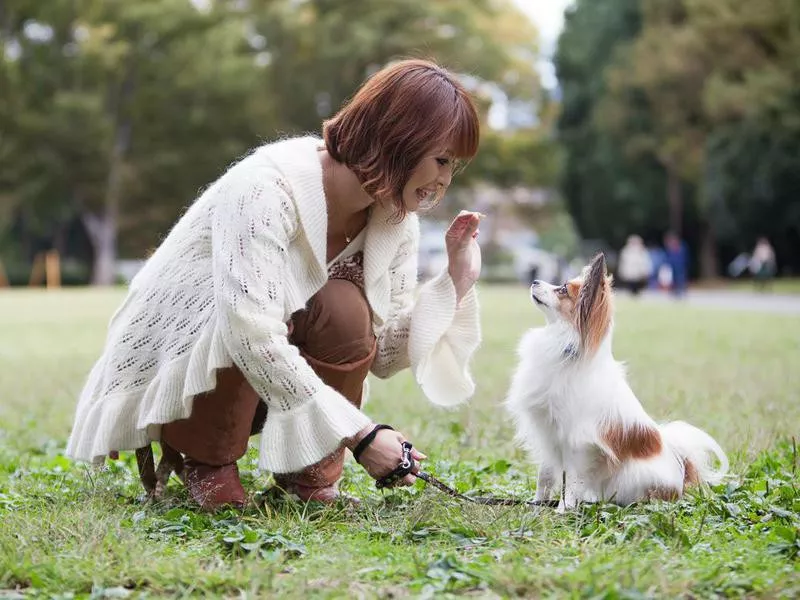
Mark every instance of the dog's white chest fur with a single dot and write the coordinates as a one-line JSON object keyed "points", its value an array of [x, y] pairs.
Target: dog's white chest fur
{"points": [[555, 397]]}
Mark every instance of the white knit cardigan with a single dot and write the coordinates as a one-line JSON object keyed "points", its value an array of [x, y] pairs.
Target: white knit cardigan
{"points": [[249, 252]]}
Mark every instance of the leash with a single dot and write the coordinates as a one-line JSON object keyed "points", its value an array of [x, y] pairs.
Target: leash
{"points": [[407, 465]]}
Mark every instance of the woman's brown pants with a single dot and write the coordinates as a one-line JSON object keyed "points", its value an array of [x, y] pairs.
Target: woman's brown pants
{"points": [[334, 334]]}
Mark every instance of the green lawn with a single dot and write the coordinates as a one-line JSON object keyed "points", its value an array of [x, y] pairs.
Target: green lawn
{"points": [[67, 529]]}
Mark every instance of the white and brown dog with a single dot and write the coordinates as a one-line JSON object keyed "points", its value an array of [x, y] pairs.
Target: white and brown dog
{"points": [[577, 415]]}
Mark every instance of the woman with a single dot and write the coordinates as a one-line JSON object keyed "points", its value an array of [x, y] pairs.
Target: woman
{"points": [[635, 265], [762, 263], [287, 281]]}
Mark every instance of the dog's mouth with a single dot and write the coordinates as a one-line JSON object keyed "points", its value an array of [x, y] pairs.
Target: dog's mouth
{"points": [[536, 300]]}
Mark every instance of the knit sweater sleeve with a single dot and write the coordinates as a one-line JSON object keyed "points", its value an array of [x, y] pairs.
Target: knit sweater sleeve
{"points": [[427, 331], [253, 224]]}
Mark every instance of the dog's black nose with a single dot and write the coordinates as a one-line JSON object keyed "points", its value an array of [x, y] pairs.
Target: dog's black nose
{"points": [[535, 283]]}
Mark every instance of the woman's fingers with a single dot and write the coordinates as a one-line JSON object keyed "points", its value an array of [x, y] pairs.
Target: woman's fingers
{"points": [[416, 455], [465, 223], [465, 230], [407, 480]]}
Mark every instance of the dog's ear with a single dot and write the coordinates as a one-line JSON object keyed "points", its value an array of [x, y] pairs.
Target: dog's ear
{"points": [[592, 287], [593, 310]]}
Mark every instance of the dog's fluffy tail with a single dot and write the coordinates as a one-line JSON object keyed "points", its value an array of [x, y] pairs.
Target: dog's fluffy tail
{"points": [[698, 450]]}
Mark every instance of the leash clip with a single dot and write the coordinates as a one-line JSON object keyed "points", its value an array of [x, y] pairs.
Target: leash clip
{"points": [[404, 468]]}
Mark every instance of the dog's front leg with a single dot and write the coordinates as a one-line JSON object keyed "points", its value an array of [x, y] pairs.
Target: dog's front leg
{"points": [[575, 489], [570, 496], [545, 483]]}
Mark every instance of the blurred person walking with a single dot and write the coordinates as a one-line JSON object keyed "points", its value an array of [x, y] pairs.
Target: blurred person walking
{"points": [[677, 259], [763, 265], [635, 266]]}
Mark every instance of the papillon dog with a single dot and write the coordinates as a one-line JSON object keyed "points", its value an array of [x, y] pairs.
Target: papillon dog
{"points": [[578, 417]]}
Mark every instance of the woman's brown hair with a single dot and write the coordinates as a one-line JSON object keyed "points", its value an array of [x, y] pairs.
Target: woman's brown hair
{"points": [[398, 116]]}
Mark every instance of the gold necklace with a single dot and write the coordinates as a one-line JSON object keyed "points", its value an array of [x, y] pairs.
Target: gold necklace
{"points": [[349, 238]]}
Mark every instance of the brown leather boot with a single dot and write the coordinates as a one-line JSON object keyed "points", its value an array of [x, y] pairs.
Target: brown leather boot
{"points": [[320, 481], [213, 438], [213, 487]]}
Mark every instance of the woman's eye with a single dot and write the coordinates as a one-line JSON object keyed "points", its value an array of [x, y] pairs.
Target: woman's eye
{"points": [[443, 162]]}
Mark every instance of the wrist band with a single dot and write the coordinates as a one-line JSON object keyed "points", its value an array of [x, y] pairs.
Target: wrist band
{"points": [[362, 445]]}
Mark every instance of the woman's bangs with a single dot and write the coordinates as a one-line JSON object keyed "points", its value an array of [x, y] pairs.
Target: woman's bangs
{"points": [[466, 130], [462, 136]]}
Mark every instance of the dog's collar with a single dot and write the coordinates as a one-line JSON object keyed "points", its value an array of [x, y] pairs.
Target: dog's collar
{"points": [[570, 351]]}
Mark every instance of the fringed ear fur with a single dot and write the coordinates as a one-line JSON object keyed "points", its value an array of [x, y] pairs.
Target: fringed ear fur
{"points": [[593, 310]]}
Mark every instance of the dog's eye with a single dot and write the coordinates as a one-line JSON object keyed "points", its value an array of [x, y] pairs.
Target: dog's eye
{"points": [[562, 289]]}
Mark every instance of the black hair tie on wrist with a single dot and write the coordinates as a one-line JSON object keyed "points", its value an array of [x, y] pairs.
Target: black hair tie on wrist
{"points": [[367, 440]]}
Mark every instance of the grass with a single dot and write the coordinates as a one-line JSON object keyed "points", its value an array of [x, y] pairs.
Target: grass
{"points": [[70, 531]]}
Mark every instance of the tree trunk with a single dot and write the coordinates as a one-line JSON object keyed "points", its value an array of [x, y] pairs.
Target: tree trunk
{"points": [[60, 239], [102, 229], [709, 265], [102, 232], [674, 200], [6, 19]]}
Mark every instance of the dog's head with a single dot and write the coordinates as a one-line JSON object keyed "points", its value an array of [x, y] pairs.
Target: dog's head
{"points": [[585, 303]]}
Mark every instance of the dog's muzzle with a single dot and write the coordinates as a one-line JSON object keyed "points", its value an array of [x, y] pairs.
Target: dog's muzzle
{"points": [[533, 293]]}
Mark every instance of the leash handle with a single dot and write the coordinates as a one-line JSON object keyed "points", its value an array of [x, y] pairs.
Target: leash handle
{"points": [[404, 468]]}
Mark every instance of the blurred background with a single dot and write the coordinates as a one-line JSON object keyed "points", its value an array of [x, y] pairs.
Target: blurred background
{"points": [[664, 132]]}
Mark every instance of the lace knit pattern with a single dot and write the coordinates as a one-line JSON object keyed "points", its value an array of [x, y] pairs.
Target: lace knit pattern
{"points": [[391, 354], [219, 290]]}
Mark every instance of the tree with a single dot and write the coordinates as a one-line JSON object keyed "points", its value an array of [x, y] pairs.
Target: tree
{"points": [[114, 113], [752, 168], [113, 102], [608, 192], [684, 85]]}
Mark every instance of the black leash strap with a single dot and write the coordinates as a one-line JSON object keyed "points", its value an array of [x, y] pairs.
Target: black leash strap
{"points": [[490, 500], [407, 465]]}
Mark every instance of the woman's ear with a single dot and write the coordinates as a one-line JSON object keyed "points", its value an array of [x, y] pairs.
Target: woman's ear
{"points": [[593, 311]]}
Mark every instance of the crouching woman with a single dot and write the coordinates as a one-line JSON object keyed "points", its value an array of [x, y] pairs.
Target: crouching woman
{"points": [[285, 283]]}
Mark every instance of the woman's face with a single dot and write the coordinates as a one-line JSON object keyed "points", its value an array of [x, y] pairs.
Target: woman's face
{"points": [[429, 181]]}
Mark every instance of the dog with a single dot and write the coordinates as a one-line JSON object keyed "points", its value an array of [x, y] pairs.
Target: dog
{"points": [[578, 417]]}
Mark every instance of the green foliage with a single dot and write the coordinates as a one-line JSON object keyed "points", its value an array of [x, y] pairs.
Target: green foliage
{"points": [[685, 116], [608, 193], [525, 157], [765, 203], [118, 112]]}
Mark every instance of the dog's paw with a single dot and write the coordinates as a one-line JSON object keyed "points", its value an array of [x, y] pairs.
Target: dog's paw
{"points": [[566, 504], [590, 497]]}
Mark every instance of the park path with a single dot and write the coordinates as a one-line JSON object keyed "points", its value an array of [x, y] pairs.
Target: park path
{"points": [[734, 300]]}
